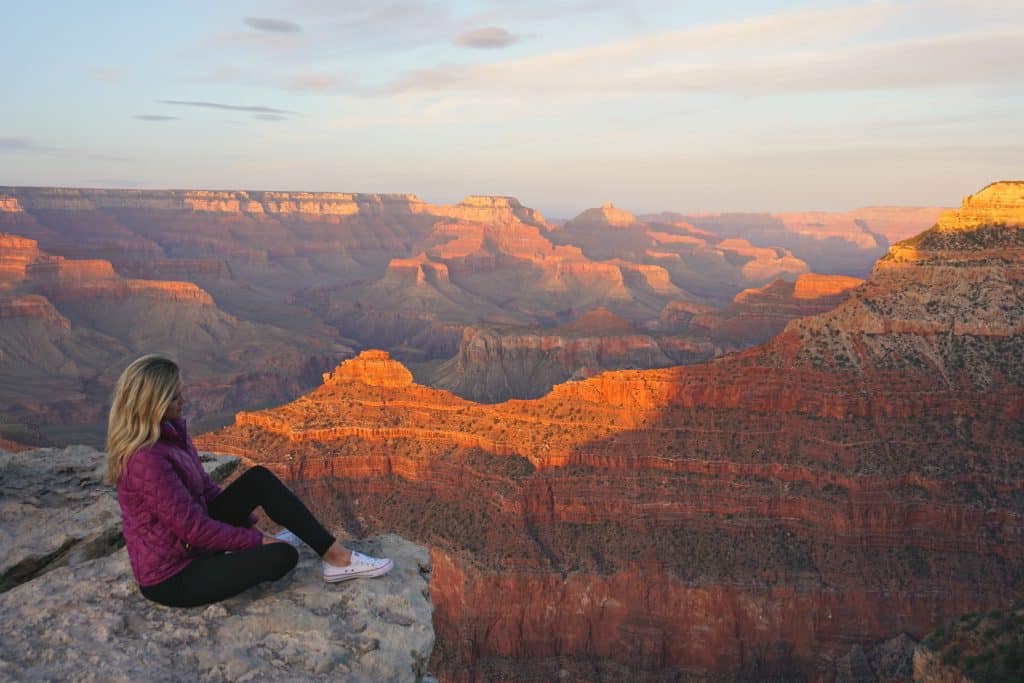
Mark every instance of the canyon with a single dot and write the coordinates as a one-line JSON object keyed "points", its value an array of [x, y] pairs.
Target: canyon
{"points": [[70, 325], [258, 293], [770, 512], [497, 363], [844, 243]]}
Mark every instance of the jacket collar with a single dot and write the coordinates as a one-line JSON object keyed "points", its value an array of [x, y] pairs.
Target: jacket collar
{"points": [[174, 430]]}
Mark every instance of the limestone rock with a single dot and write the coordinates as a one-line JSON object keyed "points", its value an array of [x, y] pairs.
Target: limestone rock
{"points": [[72, 610], [374, 368], [90, 623]]}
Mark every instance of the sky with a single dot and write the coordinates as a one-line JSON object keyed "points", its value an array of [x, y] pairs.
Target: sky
{"points": [[686, 106]]}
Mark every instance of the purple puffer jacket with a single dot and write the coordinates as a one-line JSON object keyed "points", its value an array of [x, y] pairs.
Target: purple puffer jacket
{"points": [[164, 493]]}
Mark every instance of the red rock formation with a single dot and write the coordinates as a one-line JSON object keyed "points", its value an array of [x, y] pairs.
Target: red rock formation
{"points": [[116, 289], [494, 364], [176, 269], [16, 253], [373, 368], [758, 314], [599, 321], [70, 325], [32, 306], [492, 210], [10, 205], [384, 270], [693, 260], [755, 516], [606, 216], [417, 270], [814, 286]]}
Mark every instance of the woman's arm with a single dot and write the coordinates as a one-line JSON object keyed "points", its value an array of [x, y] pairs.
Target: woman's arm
{"points": [[172, 504], [210, 489]]}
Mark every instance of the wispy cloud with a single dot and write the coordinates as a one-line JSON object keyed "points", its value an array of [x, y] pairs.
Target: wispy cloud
{"points": [[154, 117], [270, 117], [488, 38], [272, 25], [802, 51], [22, 145], [254, 109]]}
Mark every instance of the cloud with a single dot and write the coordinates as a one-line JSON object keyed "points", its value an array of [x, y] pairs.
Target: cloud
{"points": [[254, 109], [842, 49], [154, 117], [488, 38], [270, 117], [272, 25], [22, 145]]}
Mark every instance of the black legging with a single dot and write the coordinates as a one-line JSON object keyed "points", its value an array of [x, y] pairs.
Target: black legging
{"points": [[214, 578]]}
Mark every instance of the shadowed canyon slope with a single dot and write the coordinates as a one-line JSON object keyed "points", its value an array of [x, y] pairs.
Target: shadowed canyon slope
{"points": [[495, 363], [258, 292], [853, 479], [71, 325]]}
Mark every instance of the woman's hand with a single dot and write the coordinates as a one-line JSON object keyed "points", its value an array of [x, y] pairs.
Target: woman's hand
{"points": [[268, 539]]}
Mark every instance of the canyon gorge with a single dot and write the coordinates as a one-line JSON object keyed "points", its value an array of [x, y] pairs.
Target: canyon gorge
{"points": [[852, 481], [258, 293]]}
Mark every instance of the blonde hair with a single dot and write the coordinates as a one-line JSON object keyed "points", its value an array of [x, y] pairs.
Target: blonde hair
{"points": [[143, 392]]}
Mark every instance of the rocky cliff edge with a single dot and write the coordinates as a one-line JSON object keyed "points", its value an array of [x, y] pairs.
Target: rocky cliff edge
{"points": [[70, 610]]}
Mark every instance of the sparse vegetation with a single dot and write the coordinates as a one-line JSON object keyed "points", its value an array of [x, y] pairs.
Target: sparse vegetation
{"points": [[988, 648]]}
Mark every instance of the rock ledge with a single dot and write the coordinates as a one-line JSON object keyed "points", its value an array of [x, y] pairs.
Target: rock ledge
{"points": [[87, 621]]}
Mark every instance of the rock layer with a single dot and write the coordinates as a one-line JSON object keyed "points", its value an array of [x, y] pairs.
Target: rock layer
{"points": [[495, 364], [294, 281], [757, 516], [758, 314], [71, 324]]}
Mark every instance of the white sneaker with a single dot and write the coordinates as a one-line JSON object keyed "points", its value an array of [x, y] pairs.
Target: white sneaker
{"points": [[288, 537], [360, 567]]}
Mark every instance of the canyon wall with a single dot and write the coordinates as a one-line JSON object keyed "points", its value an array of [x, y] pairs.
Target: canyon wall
{"points": [[478, 297], [846, 243], [755, 516], [71, 325]]}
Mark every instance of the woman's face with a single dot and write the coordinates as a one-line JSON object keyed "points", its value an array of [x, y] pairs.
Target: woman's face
{"points": [[176, 405]]}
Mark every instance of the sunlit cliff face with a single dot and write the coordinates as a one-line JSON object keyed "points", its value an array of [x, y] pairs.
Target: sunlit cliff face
{"points": [[851, 480]]}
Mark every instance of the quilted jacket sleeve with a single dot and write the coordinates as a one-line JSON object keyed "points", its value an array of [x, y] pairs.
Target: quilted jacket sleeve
{"points": [[210, 490], [173, 505]]}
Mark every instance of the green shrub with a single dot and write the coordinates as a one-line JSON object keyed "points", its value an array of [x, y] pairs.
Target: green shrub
{"points": [[951, 656]]}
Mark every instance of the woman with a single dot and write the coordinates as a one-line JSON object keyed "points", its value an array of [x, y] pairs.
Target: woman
{"points": [[191, 543]]}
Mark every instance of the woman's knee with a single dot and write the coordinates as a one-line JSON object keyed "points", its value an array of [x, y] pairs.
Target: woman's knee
{"points": [[259, 472], [260, 476]]}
